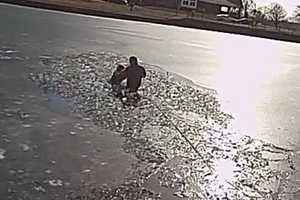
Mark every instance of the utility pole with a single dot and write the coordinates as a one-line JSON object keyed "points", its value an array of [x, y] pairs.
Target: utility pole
{"points": [[178, 5]]}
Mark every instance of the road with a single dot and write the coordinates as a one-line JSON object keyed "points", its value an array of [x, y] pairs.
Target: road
{"points": [[257, 80]]}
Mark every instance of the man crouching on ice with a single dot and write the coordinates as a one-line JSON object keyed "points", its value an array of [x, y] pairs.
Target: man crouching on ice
{"points": [[133, 75]]}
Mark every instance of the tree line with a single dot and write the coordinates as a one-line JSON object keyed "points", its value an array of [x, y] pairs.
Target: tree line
{"points": [[274, 12]]}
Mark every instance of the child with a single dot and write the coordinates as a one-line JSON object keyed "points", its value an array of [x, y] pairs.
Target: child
{"points": [[116, 80]]}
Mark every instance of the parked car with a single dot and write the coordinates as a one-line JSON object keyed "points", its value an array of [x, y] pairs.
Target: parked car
{"points": [[244, 21], [225, 17], [228, 18]]}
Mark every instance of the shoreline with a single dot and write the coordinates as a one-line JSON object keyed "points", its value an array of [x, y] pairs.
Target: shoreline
{"points": [[184, 22]]}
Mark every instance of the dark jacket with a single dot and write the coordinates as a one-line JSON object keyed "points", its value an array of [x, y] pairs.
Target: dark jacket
{"points": [[134, 75]]}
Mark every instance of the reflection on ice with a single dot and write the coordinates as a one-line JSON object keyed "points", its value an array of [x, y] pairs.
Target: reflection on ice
{"points": [[241, 75], [225, 170]]}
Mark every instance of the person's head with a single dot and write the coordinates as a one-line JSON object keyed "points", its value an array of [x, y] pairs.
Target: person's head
{"points": [[133, 61], [120, 68]]}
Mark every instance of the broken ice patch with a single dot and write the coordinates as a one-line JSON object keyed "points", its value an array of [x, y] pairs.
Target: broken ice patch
{"points": [[27, 125], [56, 183], [24, 147], [73, 133]]}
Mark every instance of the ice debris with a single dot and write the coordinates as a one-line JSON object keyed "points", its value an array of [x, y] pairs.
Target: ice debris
{"points": [[7, 54], [2, 152], [56, 183], [24, 147], [231, 166]]}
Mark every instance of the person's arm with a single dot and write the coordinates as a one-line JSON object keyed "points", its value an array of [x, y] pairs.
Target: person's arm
{"points": [[112, 78], [124, 75], [144, 73]]}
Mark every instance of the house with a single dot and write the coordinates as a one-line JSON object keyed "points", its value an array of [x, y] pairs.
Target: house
{"points": [[211, 7]]}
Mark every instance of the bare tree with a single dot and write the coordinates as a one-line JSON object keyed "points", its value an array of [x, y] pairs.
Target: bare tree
{"points": [[259, 16], [248, 6], [297, 12], [276, 13], [131, 4]]}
